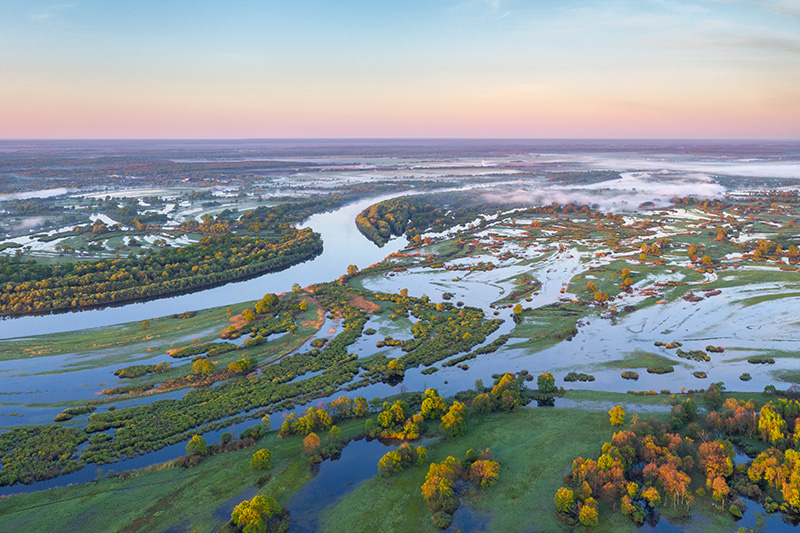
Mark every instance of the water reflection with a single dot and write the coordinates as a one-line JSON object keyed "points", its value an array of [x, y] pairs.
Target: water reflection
{"points": [[335, 478]]}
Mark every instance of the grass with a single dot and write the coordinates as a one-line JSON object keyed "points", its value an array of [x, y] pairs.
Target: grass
{"points": [[639, 359], [162, 497], [124, 339], [786, 375], [542, 325]]}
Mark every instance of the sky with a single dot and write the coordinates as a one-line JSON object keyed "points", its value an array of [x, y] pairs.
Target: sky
{"points": [[419, 68]]}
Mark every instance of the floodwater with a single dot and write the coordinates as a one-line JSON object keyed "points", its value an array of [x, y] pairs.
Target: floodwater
{"points": [[334, 479]]}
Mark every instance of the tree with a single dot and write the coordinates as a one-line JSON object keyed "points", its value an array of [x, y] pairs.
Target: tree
{"points": [[652, 496], [390, 464], [196, 446], [617, 415], [588, 516], [771, 424], [267, 304], [454, 423], [518, 309], [311, 445], [713, 396], [565, 499], [145, 324], [422, 455], [433, 405], [203, 367], [352, 270], [484, 472], [262, 460], [438, 491], [546, 383], [253, 515]]}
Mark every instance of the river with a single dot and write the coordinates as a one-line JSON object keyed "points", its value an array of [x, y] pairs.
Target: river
{"points": [[343, 245]]}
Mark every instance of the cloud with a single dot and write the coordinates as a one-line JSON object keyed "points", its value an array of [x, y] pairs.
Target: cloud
{"points": [[780, 44], [781, 7], [617, 196], [49, 13], [29, 223]]}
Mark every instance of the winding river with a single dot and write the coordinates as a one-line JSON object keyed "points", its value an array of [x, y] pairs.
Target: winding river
{"points": [[343, 245]]}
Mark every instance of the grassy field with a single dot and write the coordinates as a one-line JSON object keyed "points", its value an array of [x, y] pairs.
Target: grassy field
{"points": [[125, 338], [639, 359], [535, 448]]}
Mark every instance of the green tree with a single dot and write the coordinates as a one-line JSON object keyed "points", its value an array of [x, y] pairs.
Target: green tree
{"points": [[433, 405], [196, 446], [262, 460], [546, 383]]}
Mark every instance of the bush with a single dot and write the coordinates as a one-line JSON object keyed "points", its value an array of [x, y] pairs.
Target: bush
{"points": [[629, 374], [574, 376], [441, 520], [756, 360]]}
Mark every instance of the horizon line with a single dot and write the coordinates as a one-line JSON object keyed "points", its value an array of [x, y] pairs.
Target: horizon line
{"points": [[240, 139]]}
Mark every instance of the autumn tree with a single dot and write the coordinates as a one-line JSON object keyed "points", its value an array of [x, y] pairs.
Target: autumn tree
{"points": [[454, 422], [565, 499], [617, 415], [253, 515], [484, 472], [439, 487], [588, 516], [311, 445]]}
